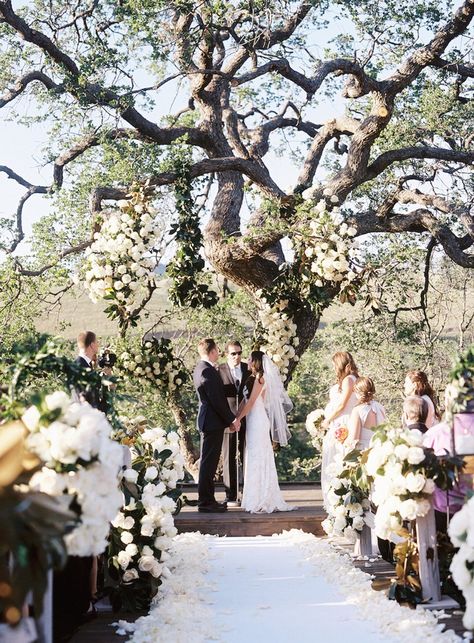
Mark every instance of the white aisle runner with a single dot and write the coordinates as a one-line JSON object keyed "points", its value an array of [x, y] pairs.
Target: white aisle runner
{"points": [[265, 591], [290, 588]]}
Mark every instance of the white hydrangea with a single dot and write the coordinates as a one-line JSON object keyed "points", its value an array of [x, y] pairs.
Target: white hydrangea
{"points": [[82, 461]]}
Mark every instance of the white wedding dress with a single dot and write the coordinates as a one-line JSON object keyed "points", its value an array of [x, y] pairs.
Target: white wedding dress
{"points": [[262, 493]]}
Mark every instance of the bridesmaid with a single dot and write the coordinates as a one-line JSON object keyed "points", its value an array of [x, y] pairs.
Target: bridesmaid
{"points": [[367, 415], [416, 383], [342, 400]]}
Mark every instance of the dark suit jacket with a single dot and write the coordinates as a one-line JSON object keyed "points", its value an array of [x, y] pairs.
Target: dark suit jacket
{"points": [[418, 425], [229, 384], [214, 412], [92, 394]]}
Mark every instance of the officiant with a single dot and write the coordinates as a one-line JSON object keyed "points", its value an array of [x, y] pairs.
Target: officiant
{"points": [[234, 374]]}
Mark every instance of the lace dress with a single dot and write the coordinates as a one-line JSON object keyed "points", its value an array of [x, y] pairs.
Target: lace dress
{"points": [[261, 493], [332, 449]]}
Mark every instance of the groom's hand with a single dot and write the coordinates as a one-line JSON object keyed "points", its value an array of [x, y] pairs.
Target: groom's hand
{"points": [[236, 424]]}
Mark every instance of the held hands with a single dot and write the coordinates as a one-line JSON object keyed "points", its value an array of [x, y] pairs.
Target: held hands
{"points": [[235, 426]]}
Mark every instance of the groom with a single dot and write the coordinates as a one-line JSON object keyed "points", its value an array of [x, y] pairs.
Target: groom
{"points": [[214, 416]]}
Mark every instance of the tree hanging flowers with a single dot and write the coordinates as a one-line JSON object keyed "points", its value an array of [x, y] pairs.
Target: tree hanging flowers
{"points": [[325, 254], [154, 361], [119, 265]]}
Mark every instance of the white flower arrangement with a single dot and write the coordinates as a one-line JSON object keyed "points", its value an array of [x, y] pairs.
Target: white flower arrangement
{"points": [[314, 426], [81, 460], [461, 533], [280, 340], [154, 361], [328, 248], [401, 487], [143, 529], [118, 266], [180, 612], [347, 503]]}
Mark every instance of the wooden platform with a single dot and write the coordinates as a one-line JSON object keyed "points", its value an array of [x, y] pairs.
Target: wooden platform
{"points": [[236, 522]]}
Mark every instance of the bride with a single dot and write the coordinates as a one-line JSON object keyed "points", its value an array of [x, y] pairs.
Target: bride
{"points": [[266, 410]]}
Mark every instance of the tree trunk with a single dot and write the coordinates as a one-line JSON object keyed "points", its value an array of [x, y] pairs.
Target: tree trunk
{"points": [[187, 447]]}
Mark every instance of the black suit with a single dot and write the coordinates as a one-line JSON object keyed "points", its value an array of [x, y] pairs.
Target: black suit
{"points": [[234, 397], [213, 417], [92, 394]]}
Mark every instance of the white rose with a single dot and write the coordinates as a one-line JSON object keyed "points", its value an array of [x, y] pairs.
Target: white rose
{"points": [[408, 509], [151, 473], [415, 482], [131, 550], [401, 451], [126, 537], [146, 563], [415, 455], [123, 559], [131, 475], [57, 400], [30, 418], [147, 551]]}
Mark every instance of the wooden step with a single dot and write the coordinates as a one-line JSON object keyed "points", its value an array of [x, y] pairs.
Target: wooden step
{"points": [[236, 522]]}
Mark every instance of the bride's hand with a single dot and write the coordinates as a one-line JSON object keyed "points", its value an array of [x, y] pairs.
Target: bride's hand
{"points": [[325, 424]]}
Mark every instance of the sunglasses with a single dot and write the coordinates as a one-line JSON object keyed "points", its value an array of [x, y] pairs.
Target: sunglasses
{"points": [[236, 353]]}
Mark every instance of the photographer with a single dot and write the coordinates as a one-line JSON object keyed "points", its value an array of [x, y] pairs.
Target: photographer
{"points": [[88, 357]]}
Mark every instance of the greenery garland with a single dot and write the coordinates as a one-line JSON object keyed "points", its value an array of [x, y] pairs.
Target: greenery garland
{"points": [[187, 263]]}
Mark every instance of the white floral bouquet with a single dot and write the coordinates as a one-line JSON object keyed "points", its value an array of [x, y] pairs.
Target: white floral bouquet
{"points": [[402, 474], [461, 533], [143, 530], [154, 360], [279, 332], [314, 426], [328, 248], [347, 502], [119, 266], [81, 460]]}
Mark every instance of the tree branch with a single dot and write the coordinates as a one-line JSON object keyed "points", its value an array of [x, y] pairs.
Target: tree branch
{"points": [[407, 153], [22, 83]]}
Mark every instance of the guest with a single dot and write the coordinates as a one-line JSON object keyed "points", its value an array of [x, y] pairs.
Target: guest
{"points": [[416, 383], [342, 400], [366, 415], [415, 412], [439, 438], [234, 375]]}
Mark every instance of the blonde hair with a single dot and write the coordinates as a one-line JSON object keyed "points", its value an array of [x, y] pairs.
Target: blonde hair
{"points": [[344, 365], [364, 389]]}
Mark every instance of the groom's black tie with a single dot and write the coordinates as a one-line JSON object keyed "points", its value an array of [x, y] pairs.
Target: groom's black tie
{"points": [[237, 384]]}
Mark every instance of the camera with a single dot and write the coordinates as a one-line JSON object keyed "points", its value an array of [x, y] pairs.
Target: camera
{"points": [[106, 359]]}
